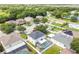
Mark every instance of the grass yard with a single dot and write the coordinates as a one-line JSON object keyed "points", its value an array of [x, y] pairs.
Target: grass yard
{"points": [[56, 24], [73, 29], [24, 36], [53, 50], [56, 29]]}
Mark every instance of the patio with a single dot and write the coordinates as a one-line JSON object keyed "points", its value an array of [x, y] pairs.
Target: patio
{"points": [[21, 50], [43, 46]]}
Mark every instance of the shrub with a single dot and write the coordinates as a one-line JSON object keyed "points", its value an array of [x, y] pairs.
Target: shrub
{"points": [[7, 28], [41, 28], [44, 20], [36, 21], [21, 28]]}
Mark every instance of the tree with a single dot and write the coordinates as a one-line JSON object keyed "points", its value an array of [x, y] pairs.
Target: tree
{"points": [[21, 28], [57, 13], [75, 45], [7, 28], [74, 18], [41, 28], [3, 16], [1, 48], [44, 20], [36, 20]]}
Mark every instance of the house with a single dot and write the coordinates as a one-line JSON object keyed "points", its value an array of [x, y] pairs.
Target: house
{"points": [[28, 19], [39, 39], [36, 36], [74, 25], [63, 38], [20, 21], [39, 17], [11, 42], [11, 22]]}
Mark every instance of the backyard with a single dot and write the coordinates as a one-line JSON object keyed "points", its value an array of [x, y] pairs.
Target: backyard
{"points": [[53, 50]]}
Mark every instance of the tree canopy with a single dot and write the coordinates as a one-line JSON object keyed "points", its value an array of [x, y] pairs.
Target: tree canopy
{"points": [[75, 45], [7, 28], [42, 28], [21, 28]]}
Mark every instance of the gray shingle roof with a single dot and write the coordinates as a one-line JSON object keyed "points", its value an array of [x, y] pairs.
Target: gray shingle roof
{"points": [[66, 40], [36, 34]]}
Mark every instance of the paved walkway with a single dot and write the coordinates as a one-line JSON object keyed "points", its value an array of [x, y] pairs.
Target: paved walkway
{"points": [[33, 47]]}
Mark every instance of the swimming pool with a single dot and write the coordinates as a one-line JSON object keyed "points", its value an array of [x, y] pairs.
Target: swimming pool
{"points": [[21, 50]]}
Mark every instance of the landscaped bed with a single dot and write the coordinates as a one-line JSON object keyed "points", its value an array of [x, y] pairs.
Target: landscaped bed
{"points": [[53, 50]]}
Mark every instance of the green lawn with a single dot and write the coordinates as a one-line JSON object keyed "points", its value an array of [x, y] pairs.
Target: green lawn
{"points": [[24, 36], [73, 29], [53, 50], [56, 29], [56, 24]]}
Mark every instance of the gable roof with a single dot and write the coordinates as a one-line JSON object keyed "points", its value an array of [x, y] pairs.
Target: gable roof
{"points": [[36, 34]]}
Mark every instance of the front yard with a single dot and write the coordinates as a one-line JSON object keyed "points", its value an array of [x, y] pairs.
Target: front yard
{"points": [[53, 50]]}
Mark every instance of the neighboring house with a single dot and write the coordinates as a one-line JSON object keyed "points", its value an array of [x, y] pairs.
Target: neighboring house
{"points": [[74, 25], [17, 22], [20, 21], [39, 17], [63, 38], [11, 22], [11, 42], [28, 19]]}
